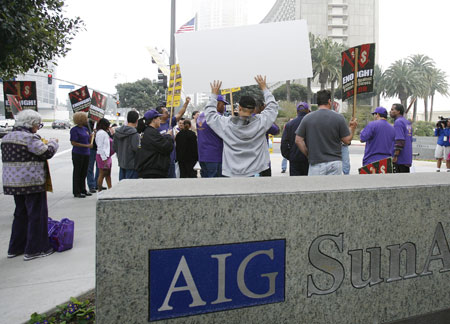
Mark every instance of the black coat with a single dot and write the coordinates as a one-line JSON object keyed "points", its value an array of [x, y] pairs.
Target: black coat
{"points": [[153, 158], [289, 149], [186, 146]]}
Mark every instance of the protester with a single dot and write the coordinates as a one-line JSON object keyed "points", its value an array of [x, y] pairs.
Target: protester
{"points": [[92, 177], [195, 115], [298, 162], [186, 147], [104, 152], [25, 174], [81, 142], [273, 130], [153, 158], [245, 151], [320, 134], [442, 131], [178, 127], [210, 146], [402, 152], [379, 137], [126, 143], [165, 127]]}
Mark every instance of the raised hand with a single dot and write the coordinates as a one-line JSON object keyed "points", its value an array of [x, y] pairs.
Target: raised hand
{"points": [[261, 82], [215, 87]]}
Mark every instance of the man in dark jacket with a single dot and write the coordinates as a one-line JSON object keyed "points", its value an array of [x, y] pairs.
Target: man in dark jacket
{"points": [[298, 162], [126, 144], [153, 158]]}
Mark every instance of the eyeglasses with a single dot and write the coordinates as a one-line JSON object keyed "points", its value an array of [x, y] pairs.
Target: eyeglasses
{"points": [[41, 125]]}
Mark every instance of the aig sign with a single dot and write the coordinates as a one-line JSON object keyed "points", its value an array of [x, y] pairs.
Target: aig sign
{"points": [[196, 280]]}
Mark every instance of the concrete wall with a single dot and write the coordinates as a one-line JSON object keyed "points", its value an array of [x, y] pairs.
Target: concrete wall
{"points": [[332, 227]]}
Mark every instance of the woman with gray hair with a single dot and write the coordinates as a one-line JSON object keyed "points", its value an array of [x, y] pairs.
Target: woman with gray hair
{"points": [[25, 170]]}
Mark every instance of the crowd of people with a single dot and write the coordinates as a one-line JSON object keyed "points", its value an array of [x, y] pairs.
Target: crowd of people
{"points": [[155, 146]]}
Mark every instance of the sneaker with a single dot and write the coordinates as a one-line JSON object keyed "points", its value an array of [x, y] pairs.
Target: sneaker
{"points": [[13, 255], [28, 257], [92, 190], [283, 171], [87, 194], [80, 196]]}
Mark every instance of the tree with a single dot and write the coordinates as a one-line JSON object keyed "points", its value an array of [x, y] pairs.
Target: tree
{"points": [[141, 95], [402, 81], [252, 91], [378, 84], [33, 34], [424, 66], [439, 84], [298, 92]]}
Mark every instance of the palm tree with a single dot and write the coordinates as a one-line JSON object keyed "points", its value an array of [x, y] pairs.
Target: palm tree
{"points": [[327, 63], [378, 83], [402, 81], [424, 66], [313, 45], [439, 84]]}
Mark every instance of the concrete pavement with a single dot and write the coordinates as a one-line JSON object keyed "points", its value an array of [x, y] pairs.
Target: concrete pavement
{"points": [[41, 284]]}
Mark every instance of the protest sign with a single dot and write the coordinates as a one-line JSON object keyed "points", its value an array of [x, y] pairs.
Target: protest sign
{"points": [[278, 50], [175, 85], [14, 104], [98, 106], [80, 99], [26, 95], [227, 91], [381, 166], [364, 66]]}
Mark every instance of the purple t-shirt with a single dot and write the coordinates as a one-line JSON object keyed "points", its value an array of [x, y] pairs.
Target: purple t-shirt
{"points": [[403, 131], [379, 136], [80, 135], [210, 146], [163, 129]]}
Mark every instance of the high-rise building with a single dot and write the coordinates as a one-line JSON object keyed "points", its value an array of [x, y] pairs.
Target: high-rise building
{"points": [[220, 13], [350, 22]]}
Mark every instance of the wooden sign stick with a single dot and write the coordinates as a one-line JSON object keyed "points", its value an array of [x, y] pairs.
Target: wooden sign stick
{"points": [[355, 91]]}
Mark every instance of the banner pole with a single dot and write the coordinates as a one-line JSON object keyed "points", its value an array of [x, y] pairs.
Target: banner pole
{"points": [[355, 91], [173, 95]]}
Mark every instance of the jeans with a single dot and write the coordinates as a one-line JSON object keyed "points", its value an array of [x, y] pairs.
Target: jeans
{"points": [[171, 173], [345, 159], [127, 174], [211, 169], [284, 164], [91, 179], [325, 168]]}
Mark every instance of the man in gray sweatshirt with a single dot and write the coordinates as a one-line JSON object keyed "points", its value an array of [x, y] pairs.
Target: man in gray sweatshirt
{"points": [[126, 144], [245, 151]]}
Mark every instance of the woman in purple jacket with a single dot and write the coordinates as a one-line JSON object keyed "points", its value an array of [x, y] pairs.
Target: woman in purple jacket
{"points": [[25, 171]]}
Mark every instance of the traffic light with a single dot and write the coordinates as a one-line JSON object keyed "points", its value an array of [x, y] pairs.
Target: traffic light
{"points": [[118, 114], [49, 78], [118, 103], [162, 79]]}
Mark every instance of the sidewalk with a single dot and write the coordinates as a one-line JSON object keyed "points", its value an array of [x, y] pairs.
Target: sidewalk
{"points": [[39, 285]]}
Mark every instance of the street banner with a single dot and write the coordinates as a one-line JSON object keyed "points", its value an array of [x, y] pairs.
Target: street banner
{"points": [[227, 91], [98, 106], [14, 104], [174, 91], [25, 92], [286, 58], [382, 166], [80, 99], [158, 60], [365, 69]]}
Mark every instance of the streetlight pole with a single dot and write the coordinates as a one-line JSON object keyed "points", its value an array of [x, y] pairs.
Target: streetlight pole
{"points": [[172, 33]]}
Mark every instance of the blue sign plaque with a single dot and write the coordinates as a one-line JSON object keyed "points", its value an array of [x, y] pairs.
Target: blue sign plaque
{"points": [[204, 279]]}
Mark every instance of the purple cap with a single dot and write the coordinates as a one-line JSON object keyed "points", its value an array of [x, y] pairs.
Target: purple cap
{"points": [[221, 98], [151, 114], [380, 110], [302, 106]]}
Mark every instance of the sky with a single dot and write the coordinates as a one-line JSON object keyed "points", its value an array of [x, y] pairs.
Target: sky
{"points": [[113, 48]]}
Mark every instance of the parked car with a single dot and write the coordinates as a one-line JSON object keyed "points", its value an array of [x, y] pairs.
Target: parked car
{"points": [[61, 124]]}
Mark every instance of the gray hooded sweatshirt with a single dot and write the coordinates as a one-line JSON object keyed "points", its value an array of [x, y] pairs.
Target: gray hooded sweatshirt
{"points": [[245, 150], [125, 144]]}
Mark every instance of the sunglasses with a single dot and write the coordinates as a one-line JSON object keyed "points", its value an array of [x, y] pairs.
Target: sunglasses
{"points": [[41, 125]]}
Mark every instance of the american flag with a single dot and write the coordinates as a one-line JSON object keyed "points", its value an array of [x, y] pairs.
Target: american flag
{"points": [[187, 27]]}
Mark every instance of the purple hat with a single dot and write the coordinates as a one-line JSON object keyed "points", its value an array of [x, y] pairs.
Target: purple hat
{"points": [[302, 106], [221, 98], [380, 110], [150, 114]]}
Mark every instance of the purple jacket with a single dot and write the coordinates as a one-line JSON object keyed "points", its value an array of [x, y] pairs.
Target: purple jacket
{"points": [[210, 146], [24, 158]]}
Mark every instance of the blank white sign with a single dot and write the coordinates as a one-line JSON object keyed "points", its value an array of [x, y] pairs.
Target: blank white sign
{"points": [[236, 55]]}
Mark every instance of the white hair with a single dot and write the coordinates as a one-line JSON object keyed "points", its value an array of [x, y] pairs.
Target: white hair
{"points": [[28, 118]]}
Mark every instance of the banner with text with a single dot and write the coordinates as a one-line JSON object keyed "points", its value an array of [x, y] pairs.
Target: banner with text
{"points": [[26, 93], [98, 106], [381, 166], [176, 92], [366, 66], [80, 99]]}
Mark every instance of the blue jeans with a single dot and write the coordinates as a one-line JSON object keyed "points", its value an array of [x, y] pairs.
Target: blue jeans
{"points": [[171, 173], [211, 169], [91, 179], [325, 168], [345, 159], [127, 174], [284, 164]]}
